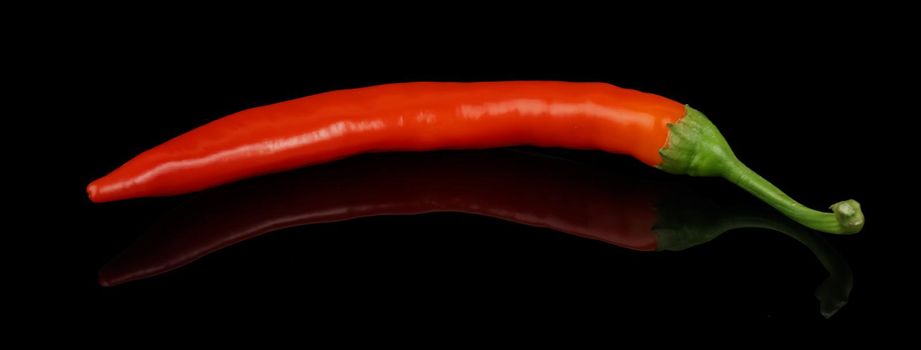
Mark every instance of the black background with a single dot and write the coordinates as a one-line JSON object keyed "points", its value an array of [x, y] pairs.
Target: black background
{"points": [[812, 108]]}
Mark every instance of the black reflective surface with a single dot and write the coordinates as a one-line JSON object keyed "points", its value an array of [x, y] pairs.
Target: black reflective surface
{"points": [[507, 235]]}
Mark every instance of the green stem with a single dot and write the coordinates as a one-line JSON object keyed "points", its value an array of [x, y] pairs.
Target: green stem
{"points": [[695, 147], [845, 218]]}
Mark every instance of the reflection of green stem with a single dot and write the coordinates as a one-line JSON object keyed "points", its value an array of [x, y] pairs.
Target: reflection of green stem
{"points": [[833, 292], [683, 226], [695, 147]]}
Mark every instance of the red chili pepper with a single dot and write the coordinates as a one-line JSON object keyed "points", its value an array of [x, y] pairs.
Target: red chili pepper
{"points": [[431, 116], [536, 191]]}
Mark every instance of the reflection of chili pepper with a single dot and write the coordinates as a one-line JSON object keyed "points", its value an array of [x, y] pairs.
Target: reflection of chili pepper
{"points": [[521, 189], [529, 190], [429, 116]]}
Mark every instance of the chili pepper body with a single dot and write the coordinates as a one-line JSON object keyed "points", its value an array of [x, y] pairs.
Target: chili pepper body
{"points": [[397, 117], [431, 116]]}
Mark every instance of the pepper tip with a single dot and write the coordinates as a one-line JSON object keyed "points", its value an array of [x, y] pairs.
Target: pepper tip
{"points": [[91, 191]]}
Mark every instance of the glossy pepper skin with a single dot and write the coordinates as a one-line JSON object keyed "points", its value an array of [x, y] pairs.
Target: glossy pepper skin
{"points": [[431, 116], [397, 117]]}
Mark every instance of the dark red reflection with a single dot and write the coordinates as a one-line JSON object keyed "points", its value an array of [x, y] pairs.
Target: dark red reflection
{"points": [[513, 186]]}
